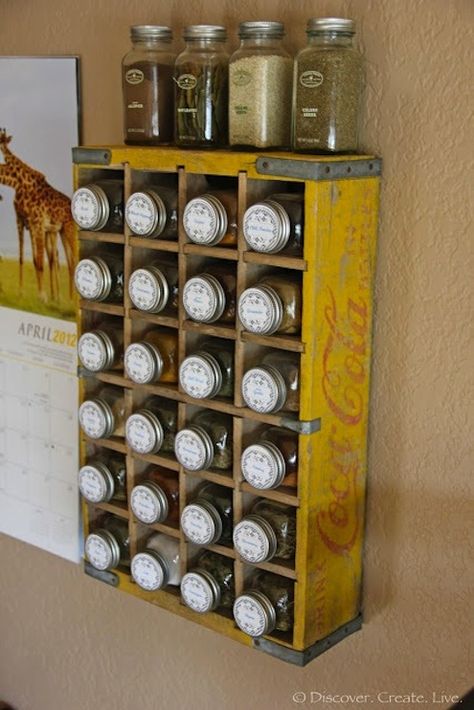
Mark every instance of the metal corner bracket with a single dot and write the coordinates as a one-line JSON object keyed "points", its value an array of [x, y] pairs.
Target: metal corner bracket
{"points": [[91, 156], [321, 169], [301, 426], [107, 577]]}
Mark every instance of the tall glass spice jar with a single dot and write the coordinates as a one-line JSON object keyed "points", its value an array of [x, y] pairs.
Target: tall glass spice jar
{"points": [[210, 296], [104, 478], [266, 605], [154, 288], [206, 442], [211, 219], [208, 519], [156, 498], [209, 371], [100, 278], [101, 349], [103, 415], [157, 566], [274, 384], [154, 358], [147, 86], [152, 213], [272, 305], [272, 460], [210, 583], [98, 207], [152, 428], [276, 224], [201, 88], [108, 546], [268, 531], [260, 87], [328, 86]]}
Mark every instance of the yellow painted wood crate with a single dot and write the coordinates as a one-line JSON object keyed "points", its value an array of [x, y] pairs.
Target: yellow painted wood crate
{"points": [[341, 197]]}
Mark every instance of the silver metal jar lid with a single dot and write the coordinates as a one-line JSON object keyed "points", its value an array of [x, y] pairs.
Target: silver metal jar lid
{"points": [[255, 539], [148, 289], [261, 310], [90, 207], [254, 614], [266, 227], [259, 28], [200, 591], [204, 298], [194, 448], [93, 279], [96, 418], [143, 32], [200, 375], [264, 389], [144, 432], [150, 570], [102, 550], [145, 213], [96, 351], [149, 503], [96, 482], [205, 220], [330, 24], [263, 465], [205, 32], [143, 363], [201, 522]]}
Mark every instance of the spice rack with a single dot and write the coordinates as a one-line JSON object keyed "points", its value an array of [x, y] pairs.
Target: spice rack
{"points": [[334, 349]]}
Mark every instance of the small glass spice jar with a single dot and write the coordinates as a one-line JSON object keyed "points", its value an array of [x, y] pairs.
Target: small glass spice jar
{"points": [[272, 460], [152, 428], [210, 583], [273, 385], [98, 207], [147, 86], [208, 519], [206, 442], [210, 296], [156, 498], [108, 546], [158, 565], [100, 278], [101, 349], [102, 416], [201, 88], [328, 86], [104, 478], [211, 219], [268, 531], [209, 372], [154, 358], [276, 224], [260, 87], [153, 213], [273, 305], [266, 605], [154, 288]]}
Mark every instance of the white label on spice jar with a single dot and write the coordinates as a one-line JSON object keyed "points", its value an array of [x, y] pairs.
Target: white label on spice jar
{"points": [[251, 542], [311, 79], [196, 593], [139, 364], [92, 419], [259, 466], [200, 221], [143, 289], [190, 450], [88, 279], [141, 435], [85, 208], [250, 615], [147, 572], [98, 552], [92, 352], [261, 228], [256, 311], [145, 505], [260, 390], [197, 377], [140, 213], [197, 524], [186, 81], [134, 76], [199, 299], [92, 484]]}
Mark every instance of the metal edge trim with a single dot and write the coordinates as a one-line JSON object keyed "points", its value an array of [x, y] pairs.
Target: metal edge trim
{"points": [[91, 156], [320, 170]]}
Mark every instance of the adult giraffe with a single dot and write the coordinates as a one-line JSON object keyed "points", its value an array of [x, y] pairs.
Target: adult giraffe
{"points": [[42, 210]]}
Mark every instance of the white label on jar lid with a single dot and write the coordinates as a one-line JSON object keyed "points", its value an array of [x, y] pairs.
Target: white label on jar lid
{"points": [[199, 299], [141, 213], [200, 221], [196, 592], [190, 450], [140, 434], [197, 524], [260, 390], [251, 542], [92, 419], [256, 311], [259, 466], [92, 484], [98, 552], [250, 615], [143, 290], [197, 378], [139, 364], [85, 208], [147, 572], [261, 228], [88, 279], [92, 352], [145, 505]]}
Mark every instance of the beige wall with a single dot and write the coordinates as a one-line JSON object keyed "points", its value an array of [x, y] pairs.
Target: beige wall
{"points": [[69, 643]]}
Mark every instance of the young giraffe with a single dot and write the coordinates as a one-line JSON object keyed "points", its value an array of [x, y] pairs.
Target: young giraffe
{"points": [[42, 210]]}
